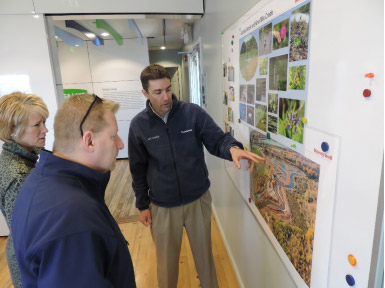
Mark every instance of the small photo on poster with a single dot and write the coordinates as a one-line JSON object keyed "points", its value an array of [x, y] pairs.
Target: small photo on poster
{"points": [[263, 66], [248, 58], [273, 103], [243, 93], [231, 94], [299, 33], [265, 39], [272, 123], [291, 112], [225, 98], [230, 73], [242, 112], [281, 34], [297, 77], [278, 73], [260, 117], [250, 94], [260, 94], [250, 115]]}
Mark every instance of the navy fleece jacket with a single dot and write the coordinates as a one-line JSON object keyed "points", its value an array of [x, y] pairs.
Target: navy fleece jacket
{"points": [[167, 159]]}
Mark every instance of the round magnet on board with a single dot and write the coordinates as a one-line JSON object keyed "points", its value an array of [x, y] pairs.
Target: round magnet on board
{"points": [[350, 280], [369, 75], [325, 146], [367, 93], [352, 260], [304, 120], [249, 200], [232, 42], [239, 120]]}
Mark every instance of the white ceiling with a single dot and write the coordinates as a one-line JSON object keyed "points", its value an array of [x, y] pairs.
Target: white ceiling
{"points": [[151, 27]]}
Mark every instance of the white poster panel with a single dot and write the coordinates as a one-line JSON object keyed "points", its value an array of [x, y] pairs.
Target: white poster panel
{"points": [[131, 100]]}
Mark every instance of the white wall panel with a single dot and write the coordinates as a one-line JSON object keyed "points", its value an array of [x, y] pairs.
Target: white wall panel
{"points": [[74, 63], [111, 62], [24, 51], [16, 7], [119, 6]]}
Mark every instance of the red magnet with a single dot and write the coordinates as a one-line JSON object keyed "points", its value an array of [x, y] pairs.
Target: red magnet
{"points": [[367, 93], [249, 200], [239, 120]]}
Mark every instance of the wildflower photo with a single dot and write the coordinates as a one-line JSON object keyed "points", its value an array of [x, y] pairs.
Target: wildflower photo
{"points": [[263, 66], [260, 117], [273, 103], [265, 40], [291, 113], [297, 77], [272, 122], [281, 34]]}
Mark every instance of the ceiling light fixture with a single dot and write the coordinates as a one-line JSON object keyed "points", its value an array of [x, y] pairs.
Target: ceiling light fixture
{"points": [[102, 24], [105, 34], [75, 25], [90, 35], [164, 35]]}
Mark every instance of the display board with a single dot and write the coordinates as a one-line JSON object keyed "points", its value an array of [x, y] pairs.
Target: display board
{"points": [[265, 77]]}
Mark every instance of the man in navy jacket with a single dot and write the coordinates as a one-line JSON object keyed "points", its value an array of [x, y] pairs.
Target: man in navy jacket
{"points": [[170, 177], [64, 234]]}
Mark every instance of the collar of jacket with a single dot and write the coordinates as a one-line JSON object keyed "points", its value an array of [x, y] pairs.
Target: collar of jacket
{"points": [[174, 107], [15, 148], [52, 165]]}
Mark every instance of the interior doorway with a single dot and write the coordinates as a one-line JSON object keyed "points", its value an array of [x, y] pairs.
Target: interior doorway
{"points": [[174, 74]]}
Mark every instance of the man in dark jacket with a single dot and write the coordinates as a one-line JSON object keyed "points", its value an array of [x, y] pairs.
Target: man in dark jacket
{"points": [[64, 234], [170, 177]]}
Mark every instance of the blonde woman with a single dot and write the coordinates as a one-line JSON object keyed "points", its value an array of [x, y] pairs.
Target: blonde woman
{"points": [[22, 128]]}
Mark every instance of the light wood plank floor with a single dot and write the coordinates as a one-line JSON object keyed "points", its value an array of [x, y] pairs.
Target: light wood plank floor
{"points": [[141, 246]]}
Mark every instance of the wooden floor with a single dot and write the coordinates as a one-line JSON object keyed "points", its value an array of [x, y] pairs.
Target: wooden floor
{"points": [[141, 246]]}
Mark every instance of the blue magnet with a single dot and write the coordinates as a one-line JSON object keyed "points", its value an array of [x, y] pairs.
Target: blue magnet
{"points": [[350, 280], [325, 146]]}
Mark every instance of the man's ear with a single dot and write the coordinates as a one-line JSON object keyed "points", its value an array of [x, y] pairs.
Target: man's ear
{"points": [[88, 141], [144, 92]]}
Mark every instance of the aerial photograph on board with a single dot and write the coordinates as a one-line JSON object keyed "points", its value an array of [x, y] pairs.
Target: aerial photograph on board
{"points": [[284, 188]]}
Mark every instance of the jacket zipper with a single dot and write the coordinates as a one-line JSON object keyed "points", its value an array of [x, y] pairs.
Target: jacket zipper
{"points": [[173, 158]]}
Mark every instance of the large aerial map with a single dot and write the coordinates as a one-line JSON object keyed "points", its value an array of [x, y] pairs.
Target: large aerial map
{"points": [[284, 188]]}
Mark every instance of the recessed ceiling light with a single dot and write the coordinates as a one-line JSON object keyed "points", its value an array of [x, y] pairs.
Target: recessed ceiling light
{"points": [[90, 35], [36, 16], [105, 34], [163, 47]]}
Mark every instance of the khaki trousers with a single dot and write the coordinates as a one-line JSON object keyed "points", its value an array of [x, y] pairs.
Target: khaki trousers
{"points": [[167, 229]]}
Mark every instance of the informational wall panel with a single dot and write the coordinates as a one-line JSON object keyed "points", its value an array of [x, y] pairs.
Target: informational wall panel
{"points": [[265, 79]]}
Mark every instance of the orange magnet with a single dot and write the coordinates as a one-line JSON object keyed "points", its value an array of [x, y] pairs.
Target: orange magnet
{"points": [[352, 260], [369, 75]]}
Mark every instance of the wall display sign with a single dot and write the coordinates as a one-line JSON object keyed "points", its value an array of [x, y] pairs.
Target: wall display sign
{"points": [[273, 59], [291, 194]]}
